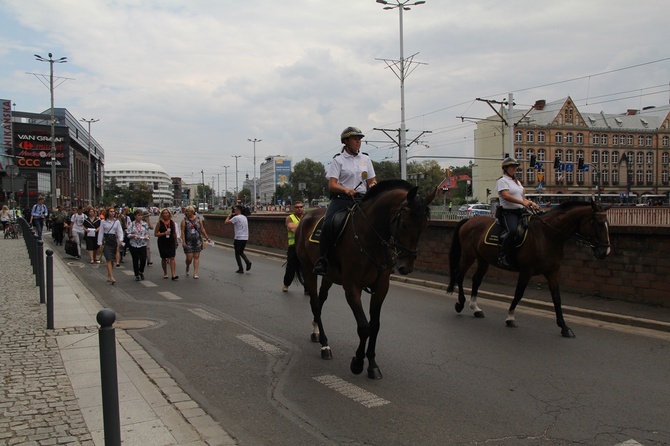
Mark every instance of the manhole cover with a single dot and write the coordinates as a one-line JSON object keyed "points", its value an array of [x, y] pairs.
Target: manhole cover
{"points": [[131, 324]]}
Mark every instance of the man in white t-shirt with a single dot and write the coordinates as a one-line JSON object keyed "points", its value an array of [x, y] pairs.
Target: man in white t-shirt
{"points": [[241, 228]]}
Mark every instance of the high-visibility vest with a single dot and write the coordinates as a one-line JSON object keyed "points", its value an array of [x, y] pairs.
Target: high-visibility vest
{"points": [[291, 235]]}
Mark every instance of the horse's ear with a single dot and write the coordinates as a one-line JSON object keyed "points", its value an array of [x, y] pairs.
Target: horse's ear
{"points": [[429, 198]]}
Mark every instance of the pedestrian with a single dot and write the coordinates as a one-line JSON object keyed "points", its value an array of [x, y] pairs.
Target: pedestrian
{"points": [[138, 238], [111, 235], [92, 225], [241, 228], [292, 261], [146, 217], [194, 235], [38, 214], [512, 203], [5, 217], [124, 220], [77, 229], [60, 219], [349, 174], [167, 238]]}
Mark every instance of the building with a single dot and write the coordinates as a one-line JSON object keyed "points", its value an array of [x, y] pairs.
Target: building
{"points": [[275, 171], [27, 145], [578, 152], [129, 174]]}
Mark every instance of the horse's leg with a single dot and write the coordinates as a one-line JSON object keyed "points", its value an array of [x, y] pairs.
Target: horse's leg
{"points": [[376, 301], [521, 284], [316, 303], [463, 267], [363, 327], [553, 280], [482, 268]]}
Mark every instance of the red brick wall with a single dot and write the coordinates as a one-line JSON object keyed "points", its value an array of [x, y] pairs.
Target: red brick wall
{"points": [[635, 271]]}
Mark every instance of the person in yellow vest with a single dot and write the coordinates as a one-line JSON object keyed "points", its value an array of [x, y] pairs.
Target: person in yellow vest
{"points": [[292, 262]]}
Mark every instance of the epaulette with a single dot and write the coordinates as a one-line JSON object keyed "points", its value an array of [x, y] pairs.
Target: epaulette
{"points": [[365, 154], [336, 155]]}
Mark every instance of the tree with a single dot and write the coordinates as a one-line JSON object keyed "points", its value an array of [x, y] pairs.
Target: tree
{"points": [[138, 194], [313, 175], [426, 174], [386, 170]]}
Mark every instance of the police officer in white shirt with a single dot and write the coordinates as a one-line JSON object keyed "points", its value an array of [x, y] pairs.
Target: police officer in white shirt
{"points": [[349, 173]]}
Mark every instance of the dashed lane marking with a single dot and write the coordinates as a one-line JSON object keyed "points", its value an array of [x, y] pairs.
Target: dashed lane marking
{"points": [[629, 443], [261, 345], [204, 314], [351, 391], [169, 295]]}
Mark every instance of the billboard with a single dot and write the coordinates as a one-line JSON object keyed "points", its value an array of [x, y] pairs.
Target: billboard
{"points": [[282, 171], [6, 132], [32, 147]]}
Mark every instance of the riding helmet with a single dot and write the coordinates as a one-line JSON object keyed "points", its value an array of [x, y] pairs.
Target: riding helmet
{"points": [[350, 131], [509, 161]]}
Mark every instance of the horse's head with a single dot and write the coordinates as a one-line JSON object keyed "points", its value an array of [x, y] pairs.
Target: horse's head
{"points": [[407, 226], [595, 231]]}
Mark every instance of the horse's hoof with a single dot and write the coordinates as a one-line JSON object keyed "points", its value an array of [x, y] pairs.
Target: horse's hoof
{"points": [[314, 337], [567, 333], [510, 324], [459, 307], [479, 314], [374, 373], [326, 353], [356, 366]]}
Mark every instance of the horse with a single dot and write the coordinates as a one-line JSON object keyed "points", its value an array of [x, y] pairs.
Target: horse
{"points": [[540, 253], [382, 233]]}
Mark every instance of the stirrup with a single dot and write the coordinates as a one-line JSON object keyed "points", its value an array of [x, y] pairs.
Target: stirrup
{"points": [[502, 261], [321, 267]]}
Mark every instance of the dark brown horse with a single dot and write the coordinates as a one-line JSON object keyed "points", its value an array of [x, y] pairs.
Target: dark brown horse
{"points": [[540, 253], [382, 233]]}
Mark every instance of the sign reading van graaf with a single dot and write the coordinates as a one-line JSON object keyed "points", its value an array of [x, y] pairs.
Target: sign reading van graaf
{"points": [[32, 147], [282, 171]]}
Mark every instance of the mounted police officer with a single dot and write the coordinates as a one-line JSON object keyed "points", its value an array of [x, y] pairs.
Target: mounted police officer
{"points": [[350, 173], [512, 204]]}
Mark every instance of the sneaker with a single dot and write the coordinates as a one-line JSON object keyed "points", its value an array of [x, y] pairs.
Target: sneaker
{"points": [[284, 289], [137, 278], [141, 276], [240, 271]]}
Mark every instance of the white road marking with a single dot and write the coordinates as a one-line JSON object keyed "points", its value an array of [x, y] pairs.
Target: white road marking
{"points": [[204, 314], [148, 283], [629, 443], [261, 345], [351, 391], [169, 295]]}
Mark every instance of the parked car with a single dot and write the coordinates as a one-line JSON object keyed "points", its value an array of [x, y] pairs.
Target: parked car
{"points": [[470, 210]]}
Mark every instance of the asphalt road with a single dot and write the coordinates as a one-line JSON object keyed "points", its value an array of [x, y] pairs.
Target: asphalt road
{"points": [[240, 347]]}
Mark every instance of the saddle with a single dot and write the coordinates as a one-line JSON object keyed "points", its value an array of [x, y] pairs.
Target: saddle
{"points": [[338, 224], [496, 233]]}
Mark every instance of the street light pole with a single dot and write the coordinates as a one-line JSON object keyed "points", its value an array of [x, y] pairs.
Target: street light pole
{"points": [[255, 141], [90, 171], [402, 138], [225, 186], [54, 198], [237, 186]]}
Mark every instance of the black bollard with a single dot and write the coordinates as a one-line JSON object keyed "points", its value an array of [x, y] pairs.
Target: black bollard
{"points": [[40, 269], [110, 385], [32, 248], [50, 289]]}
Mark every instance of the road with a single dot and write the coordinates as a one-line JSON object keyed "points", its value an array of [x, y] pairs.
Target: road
{"points": [[240, 347]]}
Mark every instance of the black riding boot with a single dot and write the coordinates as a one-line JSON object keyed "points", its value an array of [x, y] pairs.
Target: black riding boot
{"points": [[321, 266], [507, 244]]}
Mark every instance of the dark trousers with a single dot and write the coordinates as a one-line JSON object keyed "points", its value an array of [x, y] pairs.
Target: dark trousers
{"points": [[39, 226], [335, 206], [511, 223], [292, 265], [58, 229], [239, 246], [139, 256]]}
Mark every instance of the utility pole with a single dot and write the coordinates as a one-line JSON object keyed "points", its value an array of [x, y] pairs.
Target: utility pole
{"points": [[90, 171], [237, 186]]}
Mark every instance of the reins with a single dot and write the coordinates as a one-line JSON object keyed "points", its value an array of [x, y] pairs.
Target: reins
{"points": [[577, 236]]}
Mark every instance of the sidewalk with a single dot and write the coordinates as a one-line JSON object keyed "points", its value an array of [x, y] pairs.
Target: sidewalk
{"points": [[51, 393]]}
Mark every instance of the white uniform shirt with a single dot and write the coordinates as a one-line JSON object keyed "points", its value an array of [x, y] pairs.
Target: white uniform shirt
{"points": [[349, 170], [514, 188]]}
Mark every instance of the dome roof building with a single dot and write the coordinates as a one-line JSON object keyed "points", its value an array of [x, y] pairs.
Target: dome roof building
{"points": [[127, 174]]}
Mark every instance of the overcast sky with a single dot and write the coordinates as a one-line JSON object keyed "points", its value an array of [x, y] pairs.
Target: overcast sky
{"points": [[186, 83]]}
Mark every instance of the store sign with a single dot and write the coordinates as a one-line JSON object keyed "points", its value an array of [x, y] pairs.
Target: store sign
{"points": [[32, 147]]}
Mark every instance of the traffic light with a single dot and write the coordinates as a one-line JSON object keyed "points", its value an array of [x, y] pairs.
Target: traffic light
{"points": [[469, 190], [488, 191], [557, 163], [580, 164]]}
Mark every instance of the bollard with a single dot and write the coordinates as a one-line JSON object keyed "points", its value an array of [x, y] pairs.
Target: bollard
{"points": [[50, 289], [40, 269], [32, 248], [110, 385]]}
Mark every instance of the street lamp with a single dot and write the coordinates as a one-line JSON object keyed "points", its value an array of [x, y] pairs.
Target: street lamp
{"points": [[254, 141], [237, 189], [90, 171], [54, 200], [402, 6], [225, 192]]}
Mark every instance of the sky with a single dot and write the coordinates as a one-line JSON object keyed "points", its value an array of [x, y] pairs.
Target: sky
{"points": [[187, 83]]}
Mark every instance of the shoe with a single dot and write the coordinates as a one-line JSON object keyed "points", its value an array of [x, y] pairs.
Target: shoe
{"points": [[187, 267], [165, 277], [284, 289], [321, 267], [195, 277], [175, 277], [502, 261], [91, 262], [112, 281], [117, 265], [78, 257], [137, 278], [240, 271], [141, 276], [150, 263], [248, 266]]}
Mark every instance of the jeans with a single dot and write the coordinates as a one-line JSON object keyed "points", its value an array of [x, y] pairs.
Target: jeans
{"points": [[139, 256], [239, 246]]}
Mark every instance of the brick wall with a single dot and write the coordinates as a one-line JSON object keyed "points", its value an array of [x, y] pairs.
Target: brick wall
{"points": [[635, 271]]}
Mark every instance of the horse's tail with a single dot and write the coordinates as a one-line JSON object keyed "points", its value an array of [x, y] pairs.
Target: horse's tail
{"points": [[299, 275], [454, 256]]}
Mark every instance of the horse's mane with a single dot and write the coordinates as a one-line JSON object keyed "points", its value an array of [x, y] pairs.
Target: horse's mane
{"points": [[384, 186], [568, 205]]}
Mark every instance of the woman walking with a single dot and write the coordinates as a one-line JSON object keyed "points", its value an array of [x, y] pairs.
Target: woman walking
{"points": [[138, 238], [92, 225], [168, 240], [111, 234], [193, 234], [77, 229], [241, 226]]}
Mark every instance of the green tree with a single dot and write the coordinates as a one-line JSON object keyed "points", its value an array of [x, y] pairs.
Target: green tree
{"points": [[426, 174], [386, 170], [138, 194], [313, 175]]}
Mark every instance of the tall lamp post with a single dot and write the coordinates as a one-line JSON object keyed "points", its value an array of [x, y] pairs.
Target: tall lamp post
{"points": [[237, 186], [255, 141], [225, 186], [90, 171], [402, 6], [54, 198]]}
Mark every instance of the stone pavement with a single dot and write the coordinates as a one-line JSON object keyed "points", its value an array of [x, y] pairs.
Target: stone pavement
{"points": [[50, 393]]}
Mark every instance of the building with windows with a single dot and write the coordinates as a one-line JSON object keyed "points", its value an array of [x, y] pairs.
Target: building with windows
{"points": [[565, 151], [275, 171], [129, 174]]}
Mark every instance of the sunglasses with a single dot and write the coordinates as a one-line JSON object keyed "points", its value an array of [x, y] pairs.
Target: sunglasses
{"points": [[299, 207]]}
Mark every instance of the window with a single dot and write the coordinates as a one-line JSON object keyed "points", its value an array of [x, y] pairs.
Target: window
{"points": [[666, 141], [558, 137], [615, 140], [630, 140], [518, 154], [596, 139], [580, 154], [650, 158], [580, 176], [568, 138], [594, 177], [665, 156], [649, 176], [529, 154], [559, 154], [568, 115], [519, 136], [639, 158], [541, 155], [580, 138], [647, 141], [605, 177], [615, 176], [603, 140], [540, 136], [665, 177], [640, 141], [569, 156], [530, 137], [639, 177], [605, 157], [569, 177], [615, 157], [530, 175], [594, 157]]}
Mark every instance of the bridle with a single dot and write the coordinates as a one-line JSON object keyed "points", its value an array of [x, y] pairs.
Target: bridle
{"points": [[577, 236]]}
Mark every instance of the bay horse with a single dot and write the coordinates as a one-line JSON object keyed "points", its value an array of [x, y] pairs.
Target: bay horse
{"points": [[381, 233], [540, 253]]}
